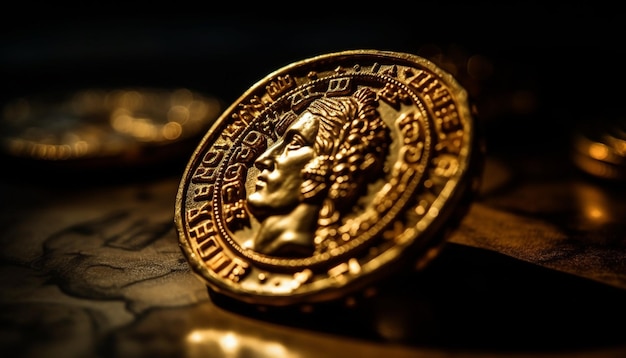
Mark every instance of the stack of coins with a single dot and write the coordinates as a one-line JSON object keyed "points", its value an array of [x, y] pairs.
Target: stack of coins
{"points": [[600, 149]]}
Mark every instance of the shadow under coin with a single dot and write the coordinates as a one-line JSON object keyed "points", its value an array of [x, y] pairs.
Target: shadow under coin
{"points": [[470, 299]]}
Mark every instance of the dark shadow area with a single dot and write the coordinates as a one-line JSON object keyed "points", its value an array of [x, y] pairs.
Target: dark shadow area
{"points": [[471, 299], [147, 164]]}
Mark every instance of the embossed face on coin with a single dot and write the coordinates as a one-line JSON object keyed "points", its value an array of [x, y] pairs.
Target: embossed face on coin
{"points": [[278, 184], [326, 175], [317, 167]]}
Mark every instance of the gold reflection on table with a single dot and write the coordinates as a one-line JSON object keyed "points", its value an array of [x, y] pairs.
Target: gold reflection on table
{"points": [[220, 343], [596, 208]]}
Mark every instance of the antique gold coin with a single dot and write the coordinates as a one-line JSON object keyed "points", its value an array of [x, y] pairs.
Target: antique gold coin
{"points": [[327, 175]]}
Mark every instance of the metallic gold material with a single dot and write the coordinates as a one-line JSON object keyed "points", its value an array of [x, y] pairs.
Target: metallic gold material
{"points": [[600, 150], [328, 175], [98, 124]]}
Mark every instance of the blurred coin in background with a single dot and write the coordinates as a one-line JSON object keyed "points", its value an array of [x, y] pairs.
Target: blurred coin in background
{"points": [[105, 128], [599, 149]]}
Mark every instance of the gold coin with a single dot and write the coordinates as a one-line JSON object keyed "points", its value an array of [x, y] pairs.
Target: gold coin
{"points": [[105, 127], [599, 149], [327, 175]]}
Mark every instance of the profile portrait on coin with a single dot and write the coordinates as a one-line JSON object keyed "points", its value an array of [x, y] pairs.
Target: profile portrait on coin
{"points": [[316, 171]]}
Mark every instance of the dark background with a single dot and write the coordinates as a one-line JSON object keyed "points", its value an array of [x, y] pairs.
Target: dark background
{"points": [[551, 65], [547, 70]]}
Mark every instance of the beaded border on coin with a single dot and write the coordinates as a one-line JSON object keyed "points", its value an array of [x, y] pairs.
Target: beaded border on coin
{"points": [[429, 175]]}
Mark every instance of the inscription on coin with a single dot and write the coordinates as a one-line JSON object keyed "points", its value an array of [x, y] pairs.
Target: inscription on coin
{"points": [[326, 175]]}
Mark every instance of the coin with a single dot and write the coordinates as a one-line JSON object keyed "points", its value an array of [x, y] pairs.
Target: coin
{"points": [[104, 128], [599, 149], [328, 175]]}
